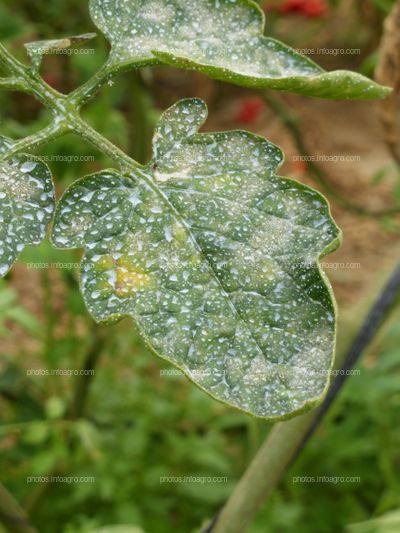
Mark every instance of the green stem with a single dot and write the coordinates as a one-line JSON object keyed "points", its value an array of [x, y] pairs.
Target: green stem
{"points": [[262, 475], [13, 84], [65, 109], [12, 515], [51, 132], [139, 108], [78, 406], [83, 94], [84, 130], [35, 85]]}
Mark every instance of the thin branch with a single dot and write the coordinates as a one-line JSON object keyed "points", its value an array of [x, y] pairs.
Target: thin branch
{"points": [[49, 133], [13, 84], [12, 515], [291, 122], [83, 94], [35, 85], [65, 110], [82, 387], [84, 130]]}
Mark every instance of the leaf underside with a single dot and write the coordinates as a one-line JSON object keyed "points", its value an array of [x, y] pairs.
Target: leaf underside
{"points": [[222, 38], [216, 260], [26, 204]]}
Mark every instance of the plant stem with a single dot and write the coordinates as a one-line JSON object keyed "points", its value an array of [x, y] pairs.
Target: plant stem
{"points": [[35, 85], [84, 130], [51, 132], [65, 109], [286, 439], [13, 84], [82, 387], [12, 515], [83, 94], [67, 119], [262, 475]]}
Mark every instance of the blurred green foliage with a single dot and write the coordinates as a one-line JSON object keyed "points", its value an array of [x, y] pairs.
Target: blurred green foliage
{"points": [[138, 425], [142, 424]]}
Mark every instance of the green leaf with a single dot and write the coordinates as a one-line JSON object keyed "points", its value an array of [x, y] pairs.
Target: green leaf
{"points": [[387, 523], [216, 259], [37, 49], [26, 204], [222, 38]]}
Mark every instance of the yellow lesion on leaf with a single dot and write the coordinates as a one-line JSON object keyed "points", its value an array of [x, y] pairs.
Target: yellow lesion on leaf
{"points": [[179, 233], [129, 278], [124, 277], [129, 281], [106, 262]]}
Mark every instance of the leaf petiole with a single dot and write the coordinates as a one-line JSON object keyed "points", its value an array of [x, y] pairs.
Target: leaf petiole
{"points": [[51, 132], [65, 109]]}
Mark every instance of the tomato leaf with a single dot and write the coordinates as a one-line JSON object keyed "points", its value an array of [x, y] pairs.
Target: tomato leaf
{"points": [[37, 49], [222, 38], [216, 259], [26, 204]]}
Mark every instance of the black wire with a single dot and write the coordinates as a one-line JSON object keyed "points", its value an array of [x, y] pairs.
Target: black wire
{"points": [[368, 330], [210, 527]]}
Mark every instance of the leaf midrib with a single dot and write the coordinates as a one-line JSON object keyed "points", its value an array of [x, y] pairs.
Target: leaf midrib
{"points": [[149, 181]]}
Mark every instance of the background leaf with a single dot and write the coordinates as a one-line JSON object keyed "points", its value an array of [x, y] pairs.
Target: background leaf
{"points": [[221, 38], [37, 49], [26, 204]]}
